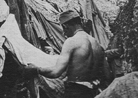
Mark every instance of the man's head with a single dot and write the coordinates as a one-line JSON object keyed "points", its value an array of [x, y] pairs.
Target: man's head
{"points": [[68, 20], [67, 16]]}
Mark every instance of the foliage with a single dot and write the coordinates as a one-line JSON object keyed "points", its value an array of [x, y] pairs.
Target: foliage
{"points": [[127, 30]]}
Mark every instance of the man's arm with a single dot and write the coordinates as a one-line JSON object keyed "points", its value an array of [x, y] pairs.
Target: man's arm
{"points": [[62, 62], [112, 53]]}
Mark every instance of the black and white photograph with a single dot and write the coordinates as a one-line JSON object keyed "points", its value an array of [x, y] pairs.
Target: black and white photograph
{"points": [[68, 48]]}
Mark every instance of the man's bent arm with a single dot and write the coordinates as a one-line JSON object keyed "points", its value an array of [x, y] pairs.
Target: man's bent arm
{"points": [[62, 62]]}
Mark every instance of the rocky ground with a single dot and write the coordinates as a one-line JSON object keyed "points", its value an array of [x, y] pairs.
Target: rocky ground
{"points": [[109, 8]]}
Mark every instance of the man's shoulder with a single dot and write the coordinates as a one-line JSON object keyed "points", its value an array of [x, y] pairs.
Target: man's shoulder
{"points": [[69, 42], [73, 39], [72, 42]]}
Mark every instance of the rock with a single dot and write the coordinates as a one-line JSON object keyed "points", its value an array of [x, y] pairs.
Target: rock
{"points": [[109, 8], [4, 10], [123, 87]]}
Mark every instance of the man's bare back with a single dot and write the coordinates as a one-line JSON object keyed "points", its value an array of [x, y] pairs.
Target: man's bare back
{"points": [[81, 64]]}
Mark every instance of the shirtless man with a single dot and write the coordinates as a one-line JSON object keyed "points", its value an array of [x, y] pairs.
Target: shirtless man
{"points": [[81, 57], [78, 52]]}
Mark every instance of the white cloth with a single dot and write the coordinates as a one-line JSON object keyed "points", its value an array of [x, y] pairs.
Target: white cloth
{"points": [[23, 51]]}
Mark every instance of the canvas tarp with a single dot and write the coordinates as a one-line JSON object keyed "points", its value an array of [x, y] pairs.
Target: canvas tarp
{"points": [[23, 52], [43, 17], [35, 23], [41, 21], [88, 10]]}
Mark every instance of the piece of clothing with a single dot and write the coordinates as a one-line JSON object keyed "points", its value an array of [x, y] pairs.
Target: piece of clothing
{"points": [[53, 88], [43, 7], [22, 51], [75, 90]]}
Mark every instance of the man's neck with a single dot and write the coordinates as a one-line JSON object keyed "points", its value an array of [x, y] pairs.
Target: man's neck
{"points": [[77, 28]]}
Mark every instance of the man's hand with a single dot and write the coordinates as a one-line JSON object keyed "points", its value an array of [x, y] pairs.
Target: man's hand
{"points": [[30, 71]]}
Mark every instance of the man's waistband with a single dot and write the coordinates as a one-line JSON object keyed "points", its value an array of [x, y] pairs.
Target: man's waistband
{"points": [[86, 84]]}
